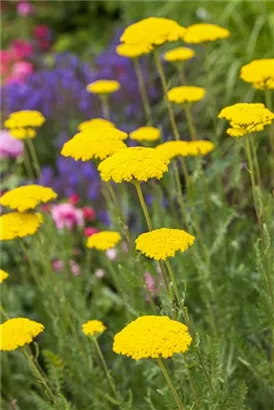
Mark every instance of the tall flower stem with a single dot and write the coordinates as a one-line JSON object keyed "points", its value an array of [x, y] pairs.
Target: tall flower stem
{"points": [[143, 204], [105, 106], [174, 285], [190, 122], [28, 161], [256, 163], [268, 103], [34, 157], [142, 89], [179, 189], [170, 383], [181, 72]]}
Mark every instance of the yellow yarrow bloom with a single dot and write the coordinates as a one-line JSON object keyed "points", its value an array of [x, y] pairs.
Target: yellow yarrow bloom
{"points": [[22, 123], [152, 337], [260, 73], [103, 87], [93, 328], [145, 134], [152, 31], [163, 243], [245, 118], [3, 275], [174, 149], [27, 197], [179, 54], [200, 147], [18, 225], [133, 50], [95, 123], [185, 94], [18, 332], [23, 133], [104, 240], [204, 32], [134, 164]]}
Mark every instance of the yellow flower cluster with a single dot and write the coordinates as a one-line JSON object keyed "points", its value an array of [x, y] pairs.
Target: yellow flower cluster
{"points": [[245, 118], [95, 123], [260, 73], [179, 54], [152, 337], [21, 123], [104, 240], [3, 275], [145, 134], [163, 243], [27, 197], [133, 50], [18, 225], [185, 94], [204, 32], [103, 87], [18, 332], [93, 328], [135, 163], [174, 149]]}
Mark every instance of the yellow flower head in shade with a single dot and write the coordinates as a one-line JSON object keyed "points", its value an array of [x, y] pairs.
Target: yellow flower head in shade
{"points": [[152, 337], [134, 163], [25, 119], [204, 32], [145, 134], [133, 50], [93, 328], [174, 149], [179, 54], [18, 332], [23, 133], [103, 87], [27, 197], [260, 73], [152, 31], [163, 243], [245, 118], [3, 275], [200, 147], [185, 94], [104, 240], [18, 225], [95, 123]]}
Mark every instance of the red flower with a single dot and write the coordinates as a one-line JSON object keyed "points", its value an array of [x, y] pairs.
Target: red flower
{"points": [[74, 199], [89, 213], [89, 231]]}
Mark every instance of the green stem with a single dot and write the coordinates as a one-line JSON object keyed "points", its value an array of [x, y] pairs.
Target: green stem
{"points": [[27, 162], [190, 122], [174, 285], [105, 106], [142, 89], [256, 163], [181, 71], [34, 157], [143, 204], [180, 197], [170, 384]]}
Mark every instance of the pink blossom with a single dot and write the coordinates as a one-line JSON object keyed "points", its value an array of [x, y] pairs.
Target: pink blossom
{"points": [[24, 8], [111, 254], [151, 284], [74, 199], [10, 147], [99, 273], [57, 265], [67, 216], [90, 230], [89, 213], [20, 70], [42, 36], [22, 49], [74, 268]]}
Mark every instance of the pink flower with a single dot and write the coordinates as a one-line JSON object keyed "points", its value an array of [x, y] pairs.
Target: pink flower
{"points": [[89, 213], [57, 265], [74, 268], [99, 273], [20, 70], [111, 254], [151, 284], [74, 199], [89, 231], [67, 216], [22, 49], [24, 8], [42, 36], [10, 147]]}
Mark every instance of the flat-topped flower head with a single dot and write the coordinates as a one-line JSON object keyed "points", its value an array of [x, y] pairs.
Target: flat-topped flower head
{"points": [[3, 275], [152, 31], [174, 149], [163, 243], [205, 32], [185, 94], [200, 147], [23, 133], [93, 328], [179, 54], [152, 337], [145, 134], [133, 50], [18, 225], [27, 197], [260, 73], [18, 332], [245, 118], [95, 123], [25, 119], [103, 87], [104, 240], [134, 164]]}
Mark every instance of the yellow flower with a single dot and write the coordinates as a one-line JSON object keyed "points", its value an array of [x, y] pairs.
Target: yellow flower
{"points": [[185, 94], [163, 243], [135, 163], [260, 73], [133, 50], [18, 225], [104, 240], [179, 54], [23, 133], [245, 118], [145, 134], [18, 332], [95, 123], [93, 328], [25, 119], [152, 31], [174, 149], [152, 337], [27, 197], [204, 32], [3, 275], [103, 87], [201, 147]]}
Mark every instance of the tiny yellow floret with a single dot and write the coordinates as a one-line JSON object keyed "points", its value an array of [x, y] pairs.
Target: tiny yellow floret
{"points": [[93, 328], [103, 87], [104, 240], [18, 332], [145, 134], [27, 197], [179, 54], [18, 225], [260, 73], [185, 94], [204, 32], [3, 275], [133, 50], [95, 123]]}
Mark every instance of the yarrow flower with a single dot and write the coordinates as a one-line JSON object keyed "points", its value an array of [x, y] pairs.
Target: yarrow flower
{"points": [[163, 243], [95, 123], [93, 328], [134, 164], [200, 147], [185, 94], [18, 225], [152, 337], [260, 73], [179, 54], [27, 197], [133, 50], [204, 32], [174, 149], [103, 240], [22, 123], [18, 332], [145, 134], [103, 87], [3, 275], [245, 118]]}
